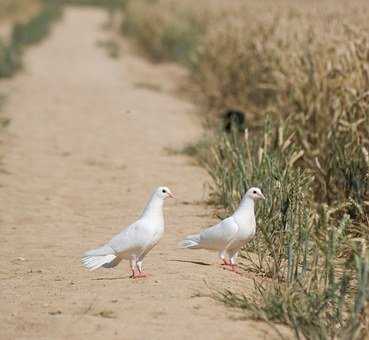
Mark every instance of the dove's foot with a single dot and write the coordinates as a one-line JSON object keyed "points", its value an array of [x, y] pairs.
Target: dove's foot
{"points": [[225, 263], [135, 275], [138, 275], [233, 268]]}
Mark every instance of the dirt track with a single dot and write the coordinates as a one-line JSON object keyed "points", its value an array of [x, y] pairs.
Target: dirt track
{"points": [[84, 150]]}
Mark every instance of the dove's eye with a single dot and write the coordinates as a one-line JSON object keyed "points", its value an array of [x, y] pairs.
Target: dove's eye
{"points": [[254, 192], [164, 191]]}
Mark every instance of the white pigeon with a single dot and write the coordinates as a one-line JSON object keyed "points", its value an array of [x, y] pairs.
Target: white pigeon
{"points": [[231, 234], [135, 241]]}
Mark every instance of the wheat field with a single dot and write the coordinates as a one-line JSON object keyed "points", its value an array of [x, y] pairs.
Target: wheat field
{"points": [[300, 73]]}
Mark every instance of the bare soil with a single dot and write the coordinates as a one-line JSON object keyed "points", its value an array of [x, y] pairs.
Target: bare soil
{"points": [[86, 146]]}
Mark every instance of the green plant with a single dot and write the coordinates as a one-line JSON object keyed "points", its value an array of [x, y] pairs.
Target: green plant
{"points": [[18, 10], [166, 34], [309, 70], [113, 4], [314, 272], [24, 34], [10, 59]]}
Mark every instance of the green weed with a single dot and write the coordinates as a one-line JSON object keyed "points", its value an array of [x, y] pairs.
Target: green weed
{"points": [[307, 70], [25, 34], [163, 35], [112, 4]]}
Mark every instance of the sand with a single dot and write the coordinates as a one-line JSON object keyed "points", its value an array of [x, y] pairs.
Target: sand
{"points": [[88, 142]]}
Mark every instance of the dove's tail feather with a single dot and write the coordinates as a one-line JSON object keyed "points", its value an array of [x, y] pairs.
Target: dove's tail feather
{"points": [[100, 257], [191, 242]]}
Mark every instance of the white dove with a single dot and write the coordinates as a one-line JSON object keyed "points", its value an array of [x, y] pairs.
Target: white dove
{"points": [[231, 234], [135, 241]]}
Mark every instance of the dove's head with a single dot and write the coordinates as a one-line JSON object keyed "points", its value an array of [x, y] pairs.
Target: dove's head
{"points": [[164, 192], [255, 194]]}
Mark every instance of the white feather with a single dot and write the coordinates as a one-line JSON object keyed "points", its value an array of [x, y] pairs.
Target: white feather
{"points": [[231, 234], [191, 242], [135, 241], [94, 262]]}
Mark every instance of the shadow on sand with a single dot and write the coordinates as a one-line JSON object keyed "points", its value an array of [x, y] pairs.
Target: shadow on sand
{"points": [[111, 278], [200, 263]]}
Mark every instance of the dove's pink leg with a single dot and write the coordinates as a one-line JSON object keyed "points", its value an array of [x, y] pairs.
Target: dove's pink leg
{"points": [[140, 270], [140, 275], [232, 268], [235, 268], [223, 258], [233, 264], [135, 274], [230, 265], [226, 265], [136, 264]]}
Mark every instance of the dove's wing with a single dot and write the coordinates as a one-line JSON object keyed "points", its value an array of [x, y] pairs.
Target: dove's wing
{"points": [[135, 241], [220, 235], [134, 238]]}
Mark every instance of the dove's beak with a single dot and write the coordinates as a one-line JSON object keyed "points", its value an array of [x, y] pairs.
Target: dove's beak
{"points": [[171, 195], [262, 196]]}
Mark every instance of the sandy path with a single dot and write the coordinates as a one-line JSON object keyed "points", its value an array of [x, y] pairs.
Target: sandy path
{"points": [[84, 150]]}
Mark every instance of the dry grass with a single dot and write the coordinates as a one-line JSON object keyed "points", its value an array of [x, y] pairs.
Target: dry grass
{"points": [[18, 10], [24, 34], [306, 67], [109, 4], [162, 35]]}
